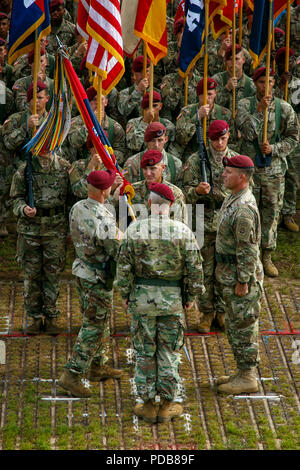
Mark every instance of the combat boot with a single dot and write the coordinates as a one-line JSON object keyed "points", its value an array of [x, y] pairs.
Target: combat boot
{"points": [[35, 328], [169, 410], [244, 382], [223, 379], [3, 231], [290, 224], [220, 321], [97, 373], [205, 322], [147, 411], [50, 327], [269, 268], [72, 383]]}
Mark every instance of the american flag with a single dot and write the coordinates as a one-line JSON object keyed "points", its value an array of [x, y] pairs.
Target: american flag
{"points": [[99, 22]]}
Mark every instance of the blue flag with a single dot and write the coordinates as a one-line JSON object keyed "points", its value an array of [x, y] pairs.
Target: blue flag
{"points": [[30, 19], [193, 33], [259, 31]]}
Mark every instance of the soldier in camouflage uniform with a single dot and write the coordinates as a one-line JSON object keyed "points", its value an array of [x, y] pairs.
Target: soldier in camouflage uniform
{"points": [[21, 86], [96, 240], [22, 68], [60, 27], [4, 26], [187, 121], [211, 194], [239, 273], [7, 102], [292, 173], [153, 168], [6, 174], [244, 86], [150, 272], [6, 70], [77, 136], [135, 129], [42, 232], [282, 139], [156, 138]]}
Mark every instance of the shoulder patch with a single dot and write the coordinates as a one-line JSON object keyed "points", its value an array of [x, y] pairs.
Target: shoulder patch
{"points": [[124, 171], [179, 116], [244, 228], [186, 166], [162, 86], [128, 128]]}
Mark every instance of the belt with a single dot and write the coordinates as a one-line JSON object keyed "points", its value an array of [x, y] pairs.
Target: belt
{"points": [[50, 212], [157, 282], [226, 259]]}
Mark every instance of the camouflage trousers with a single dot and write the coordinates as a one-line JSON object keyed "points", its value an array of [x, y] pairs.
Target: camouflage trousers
{"points": [[211, 300], [241, 323], [157, 342], [42, 258], [291, 183], [92, 342], [6, 174], [268, 191]]}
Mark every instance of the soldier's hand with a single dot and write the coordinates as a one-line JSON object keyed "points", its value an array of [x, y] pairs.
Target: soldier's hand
{"points": [[29, 211], [118, 182], [225, 44], [266, 148], [285, 77], [149, 115], [264, 103], [232, 83], [204, 111], [81, 49], [203, 188], [95, 162], [188, 305], [143, 85], [125, 303], [33, 121], [241, 289]]}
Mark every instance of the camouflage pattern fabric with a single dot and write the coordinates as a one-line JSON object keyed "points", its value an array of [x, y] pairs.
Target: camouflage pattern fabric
{"points": [[6, 174], [94, 246], [65, 32], [78, 177], [238, 236], [7, 102], [6, 75], [243, 90], [21, 68], [133, 172], [135, 131], [157, 312], [130, 102], [20, 88], [217, 63], [268, 181], [42, 239]]}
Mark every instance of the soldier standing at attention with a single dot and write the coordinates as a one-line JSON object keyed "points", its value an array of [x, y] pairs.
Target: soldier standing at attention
{"points": [[96, 240], [239, 273], [157, 254]]}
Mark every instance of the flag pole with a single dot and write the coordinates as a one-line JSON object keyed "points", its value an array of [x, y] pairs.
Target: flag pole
{"points": [[233, 56], [99, 99], [273, 46], [205, 66], [151, 85], [287, 46], [36, 68], [186, 84], [240, 23], [270, 24]]}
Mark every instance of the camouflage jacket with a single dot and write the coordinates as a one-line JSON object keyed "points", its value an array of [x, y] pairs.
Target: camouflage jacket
{"points": [[65, 32], [172, 93], [78, 177], [130, 102], [133, 172], [192, 176], [186, 124], [6, 75], [21, 68], [146, 254], [7, 102], [245, 88], [238, 236], [217, 62], [20, 88], [78, 134], [251, 123], [51, 190], [95, 237], [293, 92], [135, 131]]}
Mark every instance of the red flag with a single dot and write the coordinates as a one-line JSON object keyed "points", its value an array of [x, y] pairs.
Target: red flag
{"points": [[222, 20], [99, 21]]}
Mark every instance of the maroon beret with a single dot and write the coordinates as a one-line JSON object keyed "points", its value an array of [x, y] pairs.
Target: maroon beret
{"points": [[3, 16], [279, 32], [154, 130], [238, 161], [261, 72], [280, 54], [145, 100], [178, 25], [138, 63], [228, 53], [40, 87], [55, 3], [151, 158], [211, 85], [2, 42], [163, 190], [101, 179], [30, 56], [91, 92], [217, 129]]}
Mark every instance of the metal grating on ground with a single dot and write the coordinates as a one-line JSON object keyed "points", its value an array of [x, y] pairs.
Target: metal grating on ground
{"points": [[34, 414]]}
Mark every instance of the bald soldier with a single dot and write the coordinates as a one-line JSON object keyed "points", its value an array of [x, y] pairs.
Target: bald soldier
{"points": [[211, 194], [96, 240], [150, 271], [239, 273], [156, 138]]}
